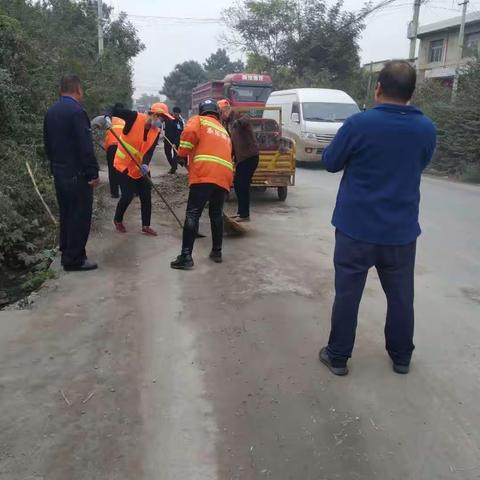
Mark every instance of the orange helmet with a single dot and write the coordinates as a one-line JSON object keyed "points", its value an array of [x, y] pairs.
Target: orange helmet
{"points": [[161, 109], [224, 103]]}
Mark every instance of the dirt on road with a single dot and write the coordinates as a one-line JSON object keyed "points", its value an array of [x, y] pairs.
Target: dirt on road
{"points": [[136, 371]]}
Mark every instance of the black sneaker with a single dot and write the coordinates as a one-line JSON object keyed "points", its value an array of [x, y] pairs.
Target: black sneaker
{"points": [[216, 256], [172, 171], [401, 369], [85, 267], [325, 359], [183, 262]]}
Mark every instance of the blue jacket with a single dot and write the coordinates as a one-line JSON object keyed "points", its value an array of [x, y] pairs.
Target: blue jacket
{"points": [[68, 140], [383, 153]]}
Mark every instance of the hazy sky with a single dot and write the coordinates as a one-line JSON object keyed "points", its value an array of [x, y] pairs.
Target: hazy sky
{"points": [[168, 43]]}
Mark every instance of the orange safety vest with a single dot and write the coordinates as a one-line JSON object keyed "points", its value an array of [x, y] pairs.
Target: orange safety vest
{"points": [[209, 148], [117, 126], [136, 145]]}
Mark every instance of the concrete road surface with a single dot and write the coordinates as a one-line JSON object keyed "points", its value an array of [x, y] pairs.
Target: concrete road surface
{"points": [[140, 372]]}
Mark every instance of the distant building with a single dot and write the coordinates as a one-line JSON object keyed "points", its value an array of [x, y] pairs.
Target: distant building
{"points": [[438, 54], [375, 67]]}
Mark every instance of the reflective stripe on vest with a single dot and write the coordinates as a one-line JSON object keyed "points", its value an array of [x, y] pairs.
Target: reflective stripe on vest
{"points": [[131, 149], [185, 144], [213, 159], [208, 123]]}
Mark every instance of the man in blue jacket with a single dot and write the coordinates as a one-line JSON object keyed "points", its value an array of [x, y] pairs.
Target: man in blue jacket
{"points": [[69, 147], [382, 153]]}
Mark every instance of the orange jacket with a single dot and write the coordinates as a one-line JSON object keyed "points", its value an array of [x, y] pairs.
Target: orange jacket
{"points": [[136, 145], [207, 144], [117, 125]]}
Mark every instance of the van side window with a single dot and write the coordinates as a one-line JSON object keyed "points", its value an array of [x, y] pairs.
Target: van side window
{"points": [[296, 108]]}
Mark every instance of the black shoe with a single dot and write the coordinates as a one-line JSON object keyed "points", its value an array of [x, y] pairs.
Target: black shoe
{"points": [[85, 267], [216, 256], [401, 369], [172, 171], [183, 262], [325, 359]]}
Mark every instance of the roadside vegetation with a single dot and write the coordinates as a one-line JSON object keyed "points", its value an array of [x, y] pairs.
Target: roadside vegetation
{"points": [[39, 42]]}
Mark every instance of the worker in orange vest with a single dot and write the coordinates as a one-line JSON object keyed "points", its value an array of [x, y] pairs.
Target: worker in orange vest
{"points": [[140, 137], [207, 145], [110, 145]]}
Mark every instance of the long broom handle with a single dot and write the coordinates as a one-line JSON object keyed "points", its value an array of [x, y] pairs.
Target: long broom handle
{"points": [[164, 200]]}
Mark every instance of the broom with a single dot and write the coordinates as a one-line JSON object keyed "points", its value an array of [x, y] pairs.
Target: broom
{"points": [[230, 226]]}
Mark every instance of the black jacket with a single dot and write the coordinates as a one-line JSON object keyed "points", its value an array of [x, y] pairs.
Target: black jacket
{"points": [[68, 140], [174, 129]]}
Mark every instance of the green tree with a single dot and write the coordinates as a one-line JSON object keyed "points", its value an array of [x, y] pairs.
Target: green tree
{"points": [[146, 99], [219, 64], [178, 85], [301, 43]]}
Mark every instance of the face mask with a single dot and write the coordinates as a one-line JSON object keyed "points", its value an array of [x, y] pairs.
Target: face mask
{"points": [[157, 123]]}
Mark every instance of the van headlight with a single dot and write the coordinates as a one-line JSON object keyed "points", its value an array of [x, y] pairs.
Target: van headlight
{"points": [[308, 135]]}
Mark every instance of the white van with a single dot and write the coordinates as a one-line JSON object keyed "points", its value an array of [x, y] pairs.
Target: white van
{"points": [[311, 117]]}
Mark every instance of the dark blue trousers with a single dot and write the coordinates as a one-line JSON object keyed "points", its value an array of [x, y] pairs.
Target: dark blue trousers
{"points": [[395, 266]]}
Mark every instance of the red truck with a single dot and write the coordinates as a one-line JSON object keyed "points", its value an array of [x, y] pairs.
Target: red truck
{"points": [[242, 89]]}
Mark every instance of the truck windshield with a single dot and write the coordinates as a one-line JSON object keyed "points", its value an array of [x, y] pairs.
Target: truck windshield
{"points": [[250, 93], [328, 112]]}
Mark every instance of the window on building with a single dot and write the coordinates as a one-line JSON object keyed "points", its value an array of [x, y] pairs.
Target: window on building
{"points": [[472, 44], [436, 51]]}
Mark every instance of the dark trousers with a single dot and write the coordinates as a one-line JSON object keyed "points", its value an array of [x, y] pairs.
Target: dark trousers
{"points": [[112, 172], [128, 187], [198, 197], [395, 266], [244, 171], [75, 202], [171, 155]]}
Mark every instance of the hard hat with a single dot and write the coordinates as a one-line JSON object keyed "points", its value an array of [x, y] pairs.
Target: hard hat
{"points": [[161, 109], [224, 103], [208, 106]]}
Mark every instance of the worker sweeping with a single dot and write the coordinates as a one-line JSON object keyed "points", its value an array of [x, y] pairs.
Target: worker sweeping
{"points": [[207, 145], [139, 138]]}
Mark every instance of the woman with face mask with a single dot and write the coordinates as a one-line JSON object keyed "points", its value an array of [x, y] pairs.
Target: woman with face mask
{"points": [[140, 136]]}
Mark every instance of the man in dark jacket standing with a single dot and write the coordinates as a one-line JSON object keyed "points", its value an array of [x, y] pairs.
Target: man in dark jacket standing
{"points": [[382, 153], [69, 147], [173, 131], [246, 156]]}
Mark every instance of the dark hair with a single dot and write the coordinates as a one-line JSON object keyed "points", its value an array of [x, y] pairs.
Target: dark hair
{"points": [[70, 83], [398, 80], [177, 110], [119, 106]]}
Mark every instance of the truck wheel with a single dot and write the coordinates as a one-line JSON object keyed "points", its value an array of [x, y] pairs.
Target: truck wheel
{"points": [[282, 193]]}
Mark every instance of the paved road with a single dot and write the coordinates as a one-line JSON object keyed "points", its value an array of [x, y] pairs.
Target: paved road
{"points": [[213, 374]]}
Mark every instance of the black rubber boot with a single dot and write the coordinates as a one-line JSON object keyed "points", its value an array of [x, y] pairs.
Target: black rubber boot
{"points": [[183, 262], [216, 256]]}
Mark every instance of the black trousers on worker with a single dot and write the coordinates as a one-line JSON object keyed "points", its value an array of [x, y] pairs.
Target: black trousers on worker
{"points": [[198, 197], [244, 171], [129, 187], [112, 171], [395, 266], [171, 155], [75, 202]]}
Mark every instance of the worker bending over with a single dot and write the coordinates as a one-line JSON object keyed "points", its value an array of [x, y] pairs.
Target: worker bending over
{"points": [[110, 146], [210, 172], [139, 138]]}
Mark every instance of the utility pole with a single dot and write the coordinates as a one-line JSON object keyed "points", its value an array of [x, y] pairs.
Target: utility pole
{"points": [[461, 45], [100, 27], [413, 29]]}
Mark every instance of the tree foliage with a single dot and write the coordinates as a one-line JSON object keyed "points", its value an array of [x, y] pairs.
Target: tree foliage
{"points": [[218, 64], [39, 42], [458, 123], [178, 85], [307, 43]]}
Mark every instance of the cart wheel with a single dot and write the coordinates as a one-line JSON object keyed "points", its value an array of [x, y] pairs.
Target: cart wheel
{"points": [[282, 193]]}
